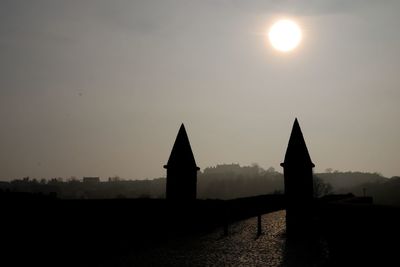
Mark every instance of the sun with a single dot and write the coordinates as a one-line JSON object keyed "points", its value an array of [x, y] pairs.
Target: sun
{"points": [[284, 35]]}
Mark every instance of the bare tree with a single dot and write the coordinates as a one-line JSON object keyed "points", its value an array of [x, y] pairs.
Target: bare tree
{"points": [[321, 188]]}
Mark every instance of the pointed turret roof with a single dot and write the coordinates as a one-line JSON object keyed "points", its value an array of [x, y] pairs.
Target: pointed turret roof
{"points": [[181, 154], [297, 152]]}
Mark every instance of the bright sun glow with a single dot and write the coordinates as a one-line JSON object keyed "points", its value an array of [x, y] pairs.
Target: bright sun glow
{"points": [[284, 35]]}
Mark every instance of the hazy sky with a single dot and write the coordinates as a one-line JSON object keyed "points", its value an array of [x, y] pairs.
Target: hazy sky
{"points": [[100, 88]]}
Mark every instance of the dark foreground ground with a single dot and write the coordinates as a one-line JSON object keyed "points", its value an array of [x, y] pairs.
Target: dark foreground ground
{"points": [[241, 247], [44, 230], [41, 231]]}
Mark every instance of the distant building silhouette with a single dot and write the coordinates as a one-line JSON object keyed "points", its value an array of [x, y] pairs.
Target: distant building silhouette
{"points": [[233, 169], [91, 180], [298, 177], [181, 169]]}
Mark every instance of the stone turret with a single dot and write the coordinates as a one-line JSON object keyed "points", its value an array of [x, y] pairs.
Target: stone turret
{"points": [[181, 169], [298, 177]]}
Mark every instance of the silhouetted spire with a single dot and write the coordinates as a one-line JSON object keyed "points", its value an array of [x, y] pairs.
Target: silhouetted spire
{"points": [[297, 152], [298, 177], [181, 170], [181, 154]]}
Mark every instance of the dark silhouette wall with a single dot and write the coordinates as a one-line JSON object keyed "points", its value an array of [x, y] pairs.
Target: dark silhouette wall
{"points": [[298, 178], [181, 169]]}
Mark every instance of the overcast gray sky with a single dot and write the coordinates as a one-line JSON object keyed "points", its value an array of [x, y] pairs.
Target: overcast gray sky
{"points": [[100, 88]]}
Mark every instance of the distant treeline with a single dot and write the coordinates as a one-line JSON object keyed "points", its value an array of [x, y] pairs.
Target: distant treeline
{"points": [[225, 181]]}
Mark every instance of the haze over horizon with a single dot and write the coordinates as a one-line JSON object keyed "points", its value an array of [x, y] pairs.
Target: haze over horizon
{"points": [[100, 88]]}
